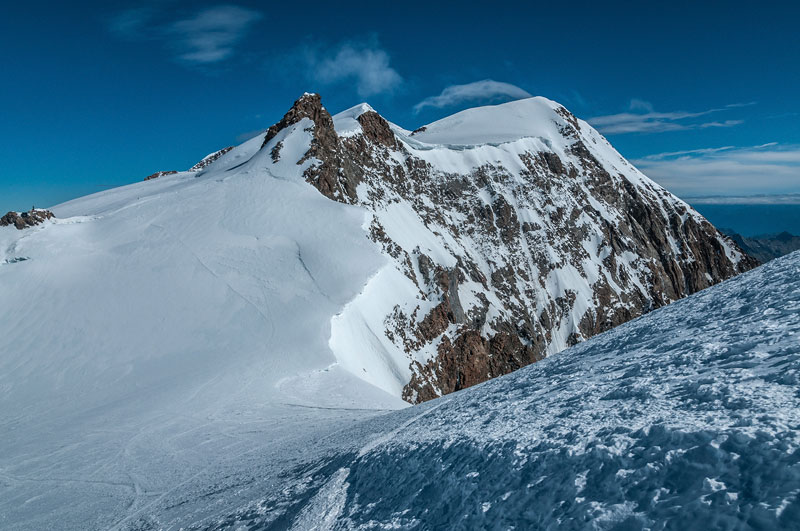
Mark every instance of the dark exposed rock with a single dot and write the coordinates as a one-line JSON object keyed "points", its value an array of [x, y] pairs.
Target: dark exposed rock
{"points": [[158, 174], [203, 164], [468, 361], [275, 154], [335, 176], [436, 321], [377, 130], [22, 220], [553, 162]]}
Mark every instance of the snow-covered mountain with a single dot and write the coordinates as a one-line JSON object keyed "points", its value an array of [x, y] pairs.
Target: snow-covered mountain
{"points": [[512, 232], [183, 329]]}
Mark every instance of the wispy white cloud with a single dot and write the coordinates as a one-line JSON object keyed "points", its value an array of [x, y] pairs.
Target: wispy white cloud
{"points": [[205, 37], [640, 105], [131, 23], [725, 123], [762, 199], [642, 118], [484, 90], [765, 169], [210, 35], [365, 65], [674, 154]]}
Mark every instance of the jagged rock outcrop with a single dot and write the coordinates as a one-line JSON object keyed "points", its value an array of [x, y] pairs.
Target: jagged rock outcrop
{"points": [[208, 159], [334, 175], [23, 220], [516, 242], [158, 174]]}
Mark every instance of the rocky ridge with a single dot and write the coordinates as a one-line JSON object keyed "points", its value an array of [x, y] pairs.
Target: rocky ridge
{"points": [[208, 159], [507, 250], [158, 174], [23, 220]]}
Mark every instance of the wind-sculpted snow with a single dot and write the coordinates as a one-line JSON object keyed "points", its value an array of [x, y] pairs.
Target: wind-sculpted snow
{"points": [[686, 418]]}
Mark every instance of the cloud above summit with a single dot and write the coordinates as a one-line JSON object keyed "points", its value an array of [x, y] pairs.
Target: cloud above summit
{"points": [[364, 65], [486, 90]]}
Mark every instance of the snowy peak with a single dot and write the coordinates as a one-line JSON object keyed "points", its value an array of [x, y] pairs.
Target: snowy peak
{"points": [[511, 231], [346, 122], [307, 106], [493, 124]]}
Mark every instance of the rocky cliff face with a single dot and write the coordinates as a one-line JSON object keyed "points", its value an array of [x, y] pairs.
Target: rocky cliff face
{"points": [[511, 232]]}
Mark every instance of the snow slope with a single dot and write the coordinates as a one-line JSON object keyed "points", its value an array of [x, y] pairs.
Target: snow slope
{"points": [[157, 329], [686, 418], [495, 124]]}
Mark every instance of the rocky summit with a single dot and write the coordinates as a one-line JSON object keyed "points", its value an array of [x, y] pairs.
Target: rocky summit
{"points": [[511, 232]]}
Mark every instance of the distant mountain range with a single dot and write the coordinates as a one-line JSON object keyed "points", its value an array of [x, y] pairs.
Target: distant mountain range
{"points": [[765, 247]]}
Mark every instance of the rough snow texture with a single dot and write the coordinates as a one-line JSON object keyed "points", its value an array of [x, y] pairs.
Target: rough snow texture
{"points": [[687, 418], [513, 232]]}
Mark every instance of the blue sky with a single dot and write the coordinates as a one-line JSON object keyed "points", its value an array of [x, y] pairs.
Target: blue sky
{"points": [[95, 94]]}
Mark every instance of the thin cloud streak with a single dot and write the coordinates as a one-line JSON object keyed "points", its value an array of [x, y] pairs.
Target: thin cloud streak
{"points": [[484, 90], [761, 199], [206, 37], [767, 168], [211, 34], [651, 121]]}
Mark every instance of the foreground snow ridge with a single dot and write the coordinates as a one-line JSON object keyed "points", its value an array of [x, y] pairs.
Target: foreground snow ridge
{"points": [[685, 418]]}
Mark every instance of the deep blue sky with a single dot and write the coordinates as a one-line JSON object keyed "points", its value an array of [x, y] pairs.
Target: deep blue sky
{"points": [[97, 94]]}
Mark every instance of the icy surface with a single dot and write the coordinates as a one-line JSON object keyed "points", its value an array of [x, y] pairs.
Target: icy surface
{"points": [[686, 418]]}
